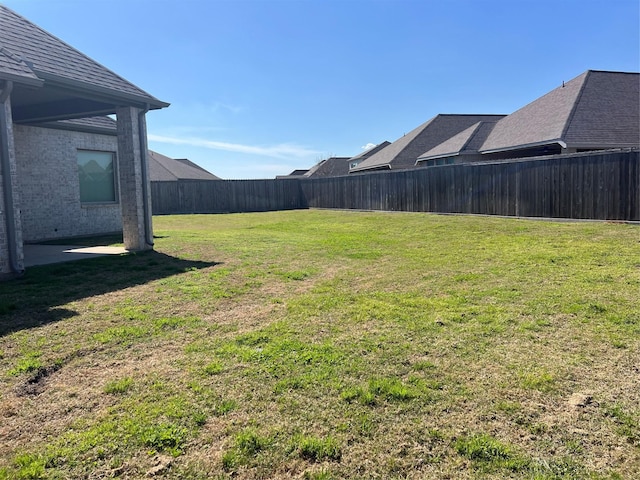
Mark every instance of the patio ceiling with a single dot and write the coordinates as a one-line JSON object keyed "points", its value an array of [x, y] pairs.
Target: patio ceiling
{"points": [[60, 99]]}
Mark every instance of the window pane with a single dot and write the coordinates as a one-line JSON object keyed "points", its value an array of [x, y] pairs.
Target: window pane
{"points": [[97, 181]]}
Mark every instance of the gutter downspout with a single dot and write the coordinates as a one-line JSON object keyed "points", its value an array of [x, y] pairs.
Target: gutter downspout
{"points": [[5, 165], [146, 208]]}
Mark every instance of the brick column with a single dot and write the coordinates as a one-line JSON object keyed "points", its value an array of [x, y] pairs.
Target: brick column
{"points": [[11, 252], [132, 152]]}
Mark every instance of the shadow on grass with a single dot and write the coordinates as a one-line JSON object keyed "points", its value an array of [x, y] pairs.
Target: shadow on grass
{"points": [[34, 299]]}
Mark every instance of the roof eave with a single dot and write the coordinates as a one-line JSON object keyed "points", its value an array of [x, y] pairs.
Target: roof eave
{"points": [[386, 166], [512, 148], [21, 79], [604, 145], [440, 155], [95, 91]]}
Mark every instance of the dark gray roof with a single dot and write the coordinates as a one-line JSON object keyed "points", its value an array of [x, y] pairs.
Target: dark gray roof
{"points": [[597, 109], [103, 124], [467, 141], [48, 55], [607, 113], [370, 151], [162, 168], [15, 69], [41, 55], [296, 173], [188, 162], [404, 152], [331, 167]]}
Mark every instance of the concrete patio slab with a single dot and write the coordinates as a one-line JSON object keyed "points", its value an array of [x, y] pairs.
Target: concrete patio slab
{"points": [[46, 254]]}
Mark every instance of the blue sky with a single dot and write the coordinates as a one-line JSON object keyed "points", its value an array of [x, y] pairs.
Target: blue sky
{"points": [[259, 88]]}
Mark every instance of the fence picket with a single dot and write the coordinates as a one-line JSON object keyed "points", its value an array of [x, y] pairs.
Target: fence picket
{"points": [[597, 185]]}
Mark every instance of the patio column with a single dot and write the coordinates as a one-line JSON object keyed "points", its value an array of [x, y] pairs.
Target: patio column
{"points": [[11, 253], [135, 191]]}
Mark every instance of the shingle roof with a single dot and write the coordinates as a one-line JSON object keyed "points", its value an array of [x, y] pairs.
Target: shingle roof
{"points": [[14, 68], [331, 167], [49, 58], [298, 172], [404, 152], [467, 141], [370, 151], [595, 109], [608, 111], [162, 168], [102, 124]]}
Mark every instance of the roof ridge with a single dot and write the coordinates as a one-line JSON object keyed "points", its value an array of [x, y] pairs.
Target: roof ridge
{"points": [[471, 115], [416, 133], [476, 129], [574, 107], [613, 71], [152, 155]]}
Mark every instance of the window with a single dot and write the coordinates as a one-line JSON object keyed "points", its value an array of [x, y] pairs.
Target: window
{"points": [[97, 177]]}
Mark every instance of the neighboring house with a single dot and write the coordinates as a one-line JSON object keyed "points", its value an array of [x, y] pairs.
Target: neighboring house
{"points": [[461, 148], [595, 111], [358, 159], [330, 167], [335, 166], [165, 169], [296, 173], [403, 153], [63, 173]]}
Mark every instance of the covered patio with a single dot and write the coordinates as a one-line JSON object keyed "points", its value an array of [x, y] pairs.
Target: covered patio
{"points": [[48, 254], [47, 84]]}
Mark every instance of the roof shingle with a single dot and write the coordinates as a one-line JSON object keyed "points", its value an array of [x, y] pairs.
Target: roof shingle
{"points": [[404, 152], [49, 57], [467, 141], [595, 109], [163, 168], [331, 167], [13, 68]]}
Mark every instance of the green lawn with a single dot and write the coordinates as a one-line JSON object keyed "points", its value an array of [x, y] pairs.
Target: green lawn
{"points": [[328, 345]]}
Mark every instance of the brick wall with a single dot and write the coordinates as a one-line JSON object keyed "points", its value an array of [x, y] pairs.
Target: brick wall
{"points": [[49, 187]]}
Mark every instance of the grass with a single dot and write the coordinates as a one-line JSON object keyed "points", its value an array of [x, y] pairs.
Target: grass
{"points": [[118, 386], [325, 345]]}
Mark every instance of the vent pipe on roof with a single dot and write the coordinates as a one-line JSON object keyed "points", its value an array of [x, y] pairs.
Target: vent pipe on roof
{"points": [[7, 187]]}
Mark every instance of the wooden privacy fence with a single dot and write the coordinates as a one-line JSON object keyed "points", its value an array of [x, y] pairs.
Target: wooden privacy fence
{"points": [[225, 196], [600, 185]]}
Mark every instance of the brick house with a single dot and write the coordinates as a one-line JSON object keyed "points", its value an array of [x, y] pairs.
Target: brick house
{"points": [[63, 171]]}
